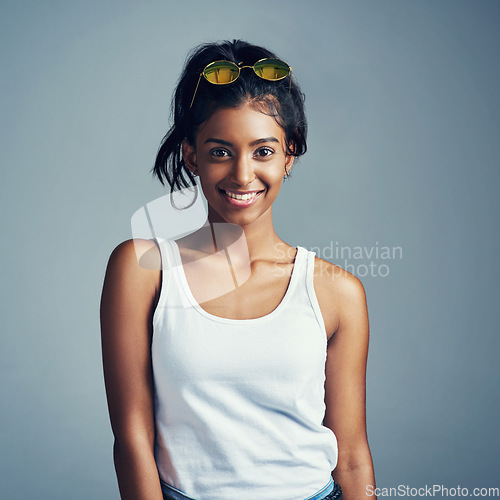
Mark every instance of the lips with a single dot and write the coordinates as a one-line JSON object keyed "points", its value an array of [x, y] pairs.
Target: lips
{"points": [[240, 198]]}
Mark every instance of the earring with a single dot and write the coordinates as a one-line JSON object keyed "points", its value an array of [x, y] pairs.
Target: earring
{"points": [[287, 174]]}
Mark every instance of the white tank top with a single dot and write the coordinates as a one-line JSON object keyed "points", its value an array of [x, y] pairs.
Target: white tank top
{"points": [[239, 404]]}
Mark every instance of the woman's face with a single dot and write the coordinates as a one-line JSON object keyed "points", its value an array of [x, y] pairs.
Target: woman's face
{"points": [[239, 155]]}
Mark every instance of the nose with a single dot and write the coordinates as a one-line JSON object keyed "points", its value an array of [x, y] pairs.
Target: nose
{"points": [[242, 172]]}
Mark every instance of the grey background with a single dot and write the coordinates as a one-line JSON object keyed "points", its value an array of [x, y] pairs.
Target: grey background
{"points": [[403, 104]]}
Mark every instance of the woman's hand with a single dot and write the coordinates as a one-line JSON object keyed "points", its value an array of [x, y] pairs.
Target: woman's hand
{"points": [[130, 288]]}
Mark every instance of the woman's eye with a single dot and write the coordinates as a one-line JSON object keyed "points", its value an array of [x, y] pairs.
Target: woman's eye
{"points": [[264, 152], [219, 152]]}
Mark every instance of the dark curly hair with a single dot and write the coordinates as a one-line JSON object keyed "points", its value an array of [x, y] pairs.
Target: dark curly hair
{"points": [[281, 99]]}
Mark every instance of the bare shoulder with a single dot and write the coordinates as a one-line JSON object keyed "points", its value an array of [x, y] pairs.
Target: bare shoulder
{"points": [[340, 294], [332, 279], [140, 253], [135, 262]]}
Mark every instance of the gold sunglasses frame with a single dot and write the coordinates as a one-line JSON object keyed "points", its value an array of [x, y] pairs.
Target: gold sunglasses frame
{"points": [[239, 68]]}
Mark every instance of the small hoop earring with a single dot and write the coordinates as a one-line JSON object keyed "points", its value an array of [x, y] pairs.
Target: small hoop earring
{"points": [[287, 174]]}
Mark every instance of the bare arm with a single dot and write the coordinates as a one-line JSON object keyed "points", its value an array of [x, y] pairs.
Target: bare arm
{"points": [[127, 303], [346, 387]]}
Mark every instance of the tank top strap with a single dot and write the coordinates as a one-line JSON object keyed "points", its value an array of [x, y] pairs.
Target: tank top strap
{"points": [[300, 265], [297, 288], [170, 295], [309, 279]]}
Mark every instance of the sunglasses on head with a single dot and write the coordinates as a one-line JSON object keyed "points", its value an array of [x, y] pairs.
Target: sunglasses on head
{"points": [[226, 72]]}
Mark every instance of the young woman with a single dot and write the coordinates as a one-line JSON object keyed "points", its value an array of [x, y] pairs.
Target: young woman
{"points": [[234, 363]]}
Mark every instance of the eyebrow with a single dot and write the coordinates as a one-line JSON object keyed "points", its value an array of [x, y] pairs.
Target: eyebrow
{"points": [[253, 143]]}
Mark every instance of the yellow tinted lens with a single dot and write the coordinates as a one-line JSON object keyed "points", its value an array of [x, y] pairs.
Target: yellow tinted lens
{"points": [[271, 69], [221, 72]]}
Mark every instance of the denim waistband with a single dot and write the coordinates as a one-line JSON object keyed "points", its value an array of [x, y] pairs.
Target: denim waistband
{"points": [[171, 493], [323, 492]]}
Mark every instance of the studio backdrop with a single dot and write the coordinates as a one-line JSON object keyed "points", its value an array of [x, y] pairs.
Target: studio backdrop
{"points": [[399, 186]]}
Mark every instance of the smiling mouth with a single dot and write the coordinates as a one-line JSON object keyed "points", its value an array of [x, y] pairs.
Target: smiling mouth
{"points": [[240, 198]]}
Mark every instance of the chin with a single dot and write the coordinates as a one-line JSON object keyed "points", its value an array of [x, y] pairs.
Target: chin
{"points": [[239, 219]]}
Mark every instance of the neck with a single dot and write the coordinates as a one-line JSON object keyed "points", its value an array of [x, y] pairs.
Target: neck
{"points": [[257, 240]]}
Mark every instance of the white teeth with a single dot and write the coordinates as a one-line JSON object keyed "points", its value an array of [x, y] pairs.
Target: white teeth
{"points": [[243, 197]]}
